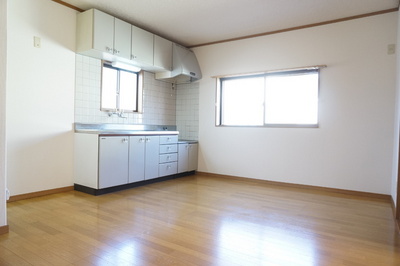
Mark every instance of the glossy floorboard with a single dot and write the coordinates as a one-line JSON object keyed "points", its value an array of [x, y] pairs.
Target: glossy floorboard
{"points": [[201, 220]]}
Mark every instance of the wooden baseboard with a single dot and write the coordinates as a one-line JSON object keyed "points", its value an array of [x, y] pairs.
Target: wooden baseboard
{"points": [[369, 195], [393, 207], [40, 193], [4, 229], [397, 221]]}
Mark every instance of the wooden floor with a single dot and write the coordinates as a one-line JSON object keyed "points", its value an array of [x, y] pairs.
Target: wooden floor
{"points": [[201, 220]]}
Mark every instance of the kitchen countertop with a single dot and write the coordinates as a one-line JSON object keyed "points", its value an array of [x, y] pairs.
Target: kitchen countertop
{"points": [[127, 132], [122, 129]]}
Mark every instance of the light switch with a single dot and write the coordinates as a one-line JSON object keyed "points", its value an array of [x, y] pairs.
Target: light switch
{"points": [[36, 42], [391, 49]]}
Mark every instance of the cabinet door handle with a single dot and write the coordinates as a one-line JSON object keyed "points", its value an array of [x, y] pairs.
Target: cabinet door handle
{"points": [[147, 140]]}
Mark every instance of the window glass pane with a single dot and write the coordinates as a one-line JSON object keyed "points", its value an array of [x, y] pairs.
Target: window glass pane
{"points": [[291, 99], [127, 93], [242, 101], [109, 88]]}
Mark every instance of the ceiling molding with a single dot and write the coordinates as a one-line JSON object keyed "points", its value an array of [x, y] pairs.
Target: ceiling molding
{"points": [[68, 5], [270, 32], [300, 27]]}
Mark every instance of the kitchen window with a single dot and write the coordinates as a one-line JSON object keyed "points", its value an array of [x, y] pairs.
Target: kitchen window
{"points": [[280, 99], [120, 90]]}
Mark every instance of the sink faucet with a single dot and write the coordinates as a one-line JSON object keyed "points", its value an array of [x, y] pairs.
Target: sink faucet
{"points": [[117, 112]]}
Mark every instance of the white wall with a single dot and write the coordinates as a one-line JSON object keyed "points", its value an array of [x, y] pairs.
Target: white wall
{"points": [[396, 122], [3, 59], [40, 96], [352, 149]]}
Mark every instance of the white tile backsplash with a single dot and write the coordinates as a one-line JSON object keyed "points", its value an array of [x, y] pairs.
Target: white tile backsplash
{"points": [[159, 98], [162, 103], [187, 110]]}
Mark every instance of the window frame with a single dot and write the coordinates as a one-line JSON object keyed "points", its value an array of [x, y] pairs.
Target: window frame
{"points": [[138, 90], [305, 70]]}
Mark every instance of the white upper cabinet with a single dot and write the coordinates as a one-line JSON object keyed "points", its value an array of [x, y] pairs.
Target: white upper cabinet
{"points": [[142, 47], [102, 36], [162, 53], [122, 39], [102, 26]]}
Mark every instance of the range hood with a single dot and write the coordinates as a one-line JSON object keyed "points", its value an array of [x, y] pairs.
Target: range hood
{"points": [[185, 68]]}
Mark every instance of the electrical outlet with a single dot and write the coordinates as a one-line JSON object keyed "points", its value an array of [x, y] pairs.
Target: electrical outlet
{"points": [[391, 49], [36, 42]]}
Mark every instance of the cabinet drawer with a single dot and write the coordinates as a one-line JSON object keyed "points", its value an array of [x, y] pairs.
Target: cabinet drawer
{"points": [[168, 148], [168, 157], [168, 168], [169, 139]]}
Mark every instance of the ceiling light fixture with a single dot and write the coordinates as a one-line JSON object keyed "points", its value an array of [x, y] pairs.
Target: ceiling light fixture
{"points": [[125, 66]]}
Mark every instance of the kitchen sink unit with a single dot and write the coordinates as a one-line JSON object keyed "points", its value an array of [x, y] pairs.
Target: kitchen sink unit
{"points": [[112, 157]]}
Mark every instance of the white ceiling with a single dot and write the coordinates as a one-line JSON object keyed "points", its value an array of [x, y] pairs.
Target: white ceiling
{"points": [[193, 22]]}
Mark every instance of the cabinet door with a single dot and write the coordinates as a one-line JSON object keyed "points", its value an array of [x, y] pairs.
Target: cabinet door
{"points": [[137, 147], [162, 53], [113, 161], [152, 157], [183, 156], [122, 38], [168, 148], [142, 46], [86, 160], [169, 139], [193, 157], [169, 157], [168, 168], [103, 32]]}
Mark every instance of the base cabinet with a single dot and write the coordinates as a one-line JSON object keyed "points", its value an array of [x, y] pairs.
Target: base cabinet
{"points": [[168, 155], [103, 162], [193, 157], [183, 157], [187, 157], [113, 161], [143, 157]]}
